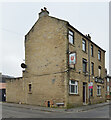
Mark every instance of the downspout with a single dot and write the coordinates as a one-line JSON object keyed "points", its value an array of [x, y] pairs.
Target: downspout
{"points": [[67, 73]]}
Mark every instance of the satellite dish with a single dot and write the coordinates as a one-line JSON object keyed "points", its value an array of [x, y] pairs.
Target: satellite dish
{"points": [[23, 65]]}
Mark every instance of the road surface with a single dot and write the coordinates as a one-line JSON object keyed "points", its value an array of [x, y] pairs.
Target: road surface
{"points": [[17, 112]]}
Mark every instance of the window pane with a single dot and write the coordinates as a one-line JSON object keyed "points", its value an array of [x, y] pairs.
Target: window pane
{"points": [[98, 90], [92, 68], [76, 89], [30, 86], [72, 82], [108, 88], [71, 39], [70, 32], [99, 71], [72, 88], [107, 79], [91, 50], [83, 45], [99, 55], [84, 65]]}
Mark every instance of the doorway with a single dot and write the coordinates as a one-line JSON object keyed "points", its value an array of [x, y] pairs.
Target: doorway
{"points": [[84, 93]]}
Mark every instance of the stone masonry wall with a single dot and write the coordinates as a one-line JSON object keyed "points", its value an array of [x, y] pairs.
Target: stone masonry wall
{"points": [[45, 54], [15, 90], [81, 77]]}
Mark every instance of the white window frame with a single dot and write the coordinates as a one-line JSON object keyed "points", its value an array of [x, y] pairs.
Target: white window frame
{"points": [[92, 51], [107, 88], [108, 80], [75, 85], [99, 55], [92, 68], [84, 45], [71, 37], [98, 88], [84, 61], [99, 71]]}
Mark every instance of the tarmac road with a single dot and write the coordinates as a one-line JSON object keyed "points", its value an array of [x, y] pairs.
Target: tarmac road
{"points": [[18, 112]]}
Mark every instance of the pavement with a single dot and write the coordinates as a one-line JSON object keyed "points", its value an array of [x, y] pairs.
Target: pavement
{"points": [[48, 109]]}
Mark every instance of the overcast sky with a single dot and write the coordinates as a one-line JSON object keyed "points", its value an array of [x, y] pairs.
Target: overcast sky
{"points": [[18, 18]]}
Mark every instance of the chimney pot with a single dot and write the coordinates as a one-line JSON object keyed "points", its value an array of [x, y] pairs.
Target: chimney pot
{"points": [[45, 8], [43, 12]]}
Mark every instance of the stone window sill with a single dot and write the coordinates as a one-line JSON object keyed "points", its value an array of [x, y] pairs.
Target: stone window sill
{"points": [[73, 94], [84, 51], [72, 44], [99, 95]]}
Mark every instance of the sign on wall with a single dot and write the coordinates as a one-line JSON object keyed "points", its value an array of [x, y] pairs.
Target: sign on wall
{"points": [[90, 85], [72, 58], [99, 80]]}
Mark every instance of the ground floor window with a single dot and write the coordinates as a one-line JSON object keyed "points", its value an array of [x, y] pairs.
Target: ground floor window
{"points": [[30, 87], [98, 90], [73, 87]]}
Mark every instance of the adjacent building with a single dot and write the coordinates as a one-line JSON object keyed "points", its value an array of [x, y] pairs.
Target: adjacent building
{"points": [[108, 87], [3, 79], [62, 66]]}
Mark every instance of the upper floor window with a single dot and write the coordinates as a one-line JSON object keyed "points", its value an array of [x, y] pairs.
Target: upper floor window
{"points": [[92, 68], [107, 88], [71, 37], [99, 71], [92, 50], [73, 87], [99, 55], [84, 61], [84, 45], [107, 79]]}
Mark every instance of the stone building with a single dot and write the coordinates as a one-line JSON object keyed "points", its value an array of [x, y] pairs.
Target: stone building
{"points": [[62, 66]]}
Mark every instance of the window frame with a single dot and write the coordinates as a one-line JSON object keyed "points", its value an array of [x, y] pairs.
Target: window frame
{"points": [[99, 55], [71, 34], [30, 87], [92, 68], [83, 45], [99, 71], [98, 90], [92, 50], [107, 80], [75, 85], [84, 61], [108, 88]]}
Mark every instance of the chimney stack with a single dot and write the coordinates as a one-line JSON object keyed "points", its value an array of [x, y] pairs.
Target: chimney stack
{"points": [[88, 36], [43, 12]]}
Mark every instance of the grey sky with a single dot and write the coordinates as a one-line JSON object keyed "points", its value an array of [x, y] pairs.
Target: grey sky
{"points": [[18, 18]]}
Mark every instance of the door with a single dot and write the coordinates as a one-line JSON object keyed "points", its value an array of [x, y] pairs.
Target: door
{"points": [[84, 93]]}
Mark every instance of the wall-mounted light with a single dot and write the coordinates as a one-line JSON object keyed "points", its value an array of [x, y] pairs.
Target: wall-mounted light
{"points": [[23, 65]]}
